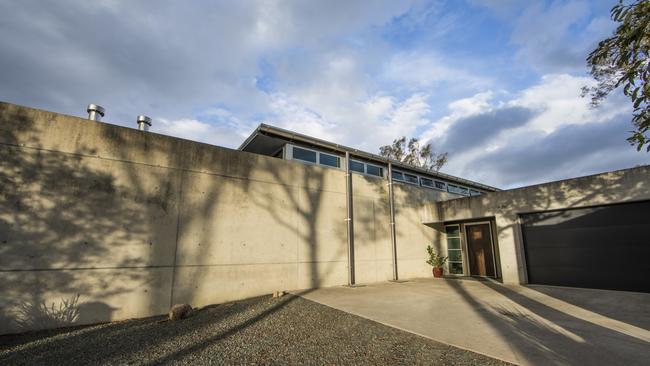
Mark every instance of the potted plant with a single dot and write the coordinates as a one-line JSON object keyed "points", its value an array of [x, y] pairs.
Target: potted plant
{"points": [[436, 261]]}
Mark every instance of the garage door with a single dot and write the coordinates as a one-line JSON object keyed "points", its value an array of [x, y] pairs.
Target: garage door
{"points": [[605, 247]]}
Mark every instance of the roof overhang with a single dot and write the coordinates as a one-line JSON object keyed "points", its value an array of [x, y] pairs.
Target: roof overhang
{"points": [[252, 144]]}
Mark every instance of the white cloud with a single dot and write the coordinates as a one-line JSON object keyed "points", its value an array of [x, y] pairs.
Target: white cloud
{"points": [[195, 130], [387, 117], [554, 106], [426, 70], [211, 71], [461, 108]]}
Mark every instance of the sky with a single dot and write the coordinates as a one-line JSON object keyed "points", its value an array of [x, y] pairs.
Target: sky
{"points": [[495, 83]]}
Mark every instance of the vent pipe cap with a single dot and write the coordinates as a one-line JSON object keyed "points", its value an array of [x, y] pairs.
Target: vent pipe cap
{"points": [[144, 123], [95, 112]]}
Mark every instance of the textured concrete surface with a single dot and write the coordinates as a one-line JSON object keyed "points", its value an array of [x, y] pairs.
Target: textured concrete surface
{"points": [[504, 207], [534, 325], [134, 222], [258, 331]]}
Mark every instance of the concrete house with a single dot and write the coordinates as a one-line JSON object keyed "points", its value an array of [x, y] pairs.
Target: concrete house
{"points": [[129, 222], [566, 241]]}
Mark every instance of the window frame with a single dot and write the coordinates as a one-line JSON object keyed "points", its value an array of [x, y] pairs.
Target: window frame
{"points": [[422, 179], [459, 249], [365, 169], [293, 157], [398, 179], [381, 170], [358, 162], [338, 160], [458, 189], [290, 156], [417, 178]]}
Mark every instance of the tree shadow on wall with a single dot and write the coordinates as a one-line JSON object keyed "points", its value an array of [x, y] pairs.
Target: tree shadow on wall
{"points": [[559, 335], [410, 204], [60, 214], [317, 214]]}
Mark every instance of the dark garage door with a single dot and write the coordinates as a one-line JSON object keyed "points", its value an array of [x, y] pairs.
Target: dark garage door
{"points": [[606, 247]]}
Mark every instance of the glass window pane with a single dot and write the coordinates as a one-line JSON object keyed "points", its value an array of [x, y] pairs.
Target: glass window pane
{"points": [[453, 243], [330, 160], [452, 230], [464, 191], [440, 185], [398, 175], [455, 268], [452, 188], [304, 154], [426, 182], [474, 193], [455, 255], [374, 170], [356, 166], [411, 178]]}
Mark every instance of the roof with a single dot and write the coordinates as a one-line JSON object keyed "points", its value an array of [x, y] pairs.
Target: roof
{"points": [[265, 130]]}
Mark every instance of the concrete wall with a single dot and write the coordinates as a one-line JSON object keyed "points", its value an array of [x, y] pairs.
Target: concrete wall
{"points": [[133, 222], [373, 248], [504, 208]]}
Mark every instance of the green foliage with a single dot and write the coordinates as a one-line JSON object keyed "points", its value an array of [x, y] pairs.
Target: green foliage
{"points": [[414, 154], [435, 260], [622, 61]]}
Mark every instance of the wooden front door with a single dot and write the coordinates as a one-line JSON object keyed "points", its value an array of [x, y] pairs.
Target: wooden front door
{"points": [[480, 252]]}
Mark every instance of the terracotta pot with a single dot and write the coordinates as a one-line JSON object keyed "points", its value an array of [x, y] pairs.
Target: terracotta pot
{"points": [[437, 272]]}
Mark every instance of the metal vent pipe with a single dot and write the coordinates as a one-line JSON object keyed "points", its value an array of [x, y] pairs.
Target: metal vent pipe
{"points": [[95, 112], [144, 123]]}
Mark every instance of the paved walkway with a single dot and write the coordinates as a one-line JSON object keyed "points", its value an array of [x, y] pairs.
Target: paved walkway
{"points": [[532, 325]]}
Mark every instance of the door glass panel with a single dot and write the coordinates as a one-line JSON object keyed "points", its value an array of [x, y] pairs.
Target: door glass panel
{"points": [[455, 267], [453, 243], [453, 230], [455, 255], [454, 250]]}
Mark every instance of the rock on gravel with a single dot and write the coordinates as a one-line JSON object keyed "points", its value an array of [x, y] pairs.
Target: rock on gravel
{"points": [[180, 311], [262, 330]]}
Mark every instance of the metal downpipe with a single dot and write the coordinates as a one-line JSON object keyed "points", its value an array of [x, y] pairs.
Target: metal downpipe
{"points": [[391, 200], [349, 219]]}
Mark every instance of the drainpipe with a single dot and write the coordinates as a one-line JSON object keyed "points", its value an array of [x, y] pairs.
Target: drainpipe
{"points": [[144, 123], [391, 201], [348, 196], [95, 112]]}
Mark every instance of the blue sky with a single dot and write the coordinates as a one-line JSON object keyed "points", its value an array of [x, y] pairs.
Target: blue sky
{"points": [[495, 83]]}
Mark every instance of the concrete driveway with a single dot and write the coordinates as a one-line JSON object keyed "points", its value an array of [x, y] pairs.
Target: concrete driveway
{"points": [[528, 325]]}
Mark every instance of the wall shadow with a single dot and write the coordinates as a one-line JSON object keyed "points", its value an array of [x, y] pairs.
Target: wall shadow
{"points": [[628, 307], [57, 216], [549, 335], [508, 206]]}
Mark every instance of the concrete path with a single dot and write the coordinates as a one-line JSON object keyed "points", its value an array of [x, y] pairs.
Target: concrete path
{"points": [[532, 325]]}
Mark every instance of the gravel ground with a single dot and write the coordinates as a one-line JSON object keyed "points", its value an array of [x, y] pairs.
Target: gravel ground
{"points": [[262, 330]]}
